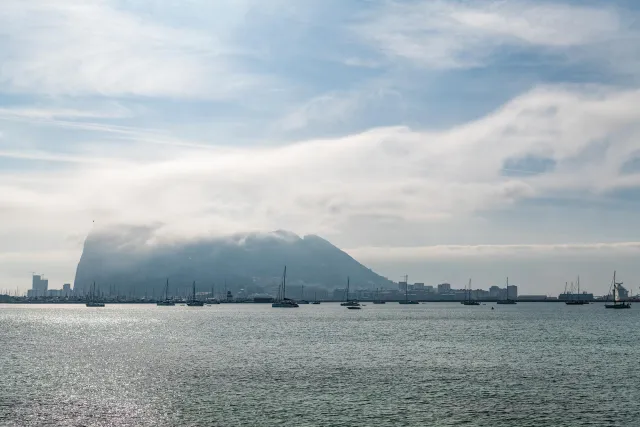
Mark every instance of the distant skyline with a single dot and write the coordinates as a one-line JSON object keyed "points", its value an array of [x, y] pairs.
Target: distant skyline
{"points": [[439, 139]]}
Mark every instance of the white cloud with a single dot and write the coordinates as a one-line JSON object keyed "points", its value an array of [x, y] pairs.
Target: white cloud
{"points": [[113, 168], [417, 253], [339, 107], [443, 34], [318, 185], [88, 47], [54, 113]]}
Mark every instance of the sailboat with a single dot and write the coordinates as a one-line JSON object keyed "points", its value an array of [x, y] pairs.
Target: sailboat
{"points": [[213, 299], [315, 299], [507, 300], [378, 300], [166, 301], [351, 305], [282, 301], [617, 303], [194, 302], [406, 293], [577, 300], [303, 301], [348, 302], [93, 302], [468, 300]]}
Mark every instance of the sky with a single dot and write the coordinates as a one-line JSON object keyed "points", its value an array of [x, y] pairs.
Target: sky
{"points": [[440, 139]]}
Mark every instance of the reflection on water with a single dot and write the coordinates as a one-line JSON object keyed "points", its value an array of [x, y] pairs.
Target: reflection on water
{"points": [[428, 364]]}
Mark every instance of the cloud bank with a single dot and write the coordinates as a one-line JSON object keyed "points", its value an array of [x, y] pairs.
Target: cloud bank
{"points": [[402, 129]]}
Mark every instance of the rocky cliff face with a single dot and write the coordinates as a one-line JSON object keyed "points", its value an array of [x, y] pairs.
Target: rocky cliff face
{"points": [[127, 259]]}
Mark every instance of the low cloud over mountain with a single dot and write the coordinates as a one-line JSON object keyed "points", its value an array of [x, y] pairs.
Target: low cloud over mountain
{"points": [[135, 260]]}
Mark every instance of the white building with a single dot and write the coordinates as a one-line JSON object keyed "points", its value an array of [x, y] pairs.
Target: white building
{"points": [[39, 286]]}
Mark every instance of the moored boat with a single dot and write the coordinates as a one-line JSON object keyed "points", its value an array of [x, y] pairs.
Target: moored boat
{"points": [[282, 301], [348, 302], [617, 302], [93, 301], [468, 300], [406, 293], [194, 302], [507, 300], [166, 302]]}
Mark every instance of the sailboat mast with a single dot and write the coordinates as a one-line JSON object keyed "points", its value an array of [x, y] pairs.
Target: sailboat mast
{"points": [[572, 291], [406, 287], [194, 291], [284, 283], [347, 288]]}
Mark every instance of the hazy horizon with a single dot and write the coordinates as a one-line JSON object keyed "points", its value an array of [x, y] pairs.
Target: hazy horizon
{"points": [[440, 139]]}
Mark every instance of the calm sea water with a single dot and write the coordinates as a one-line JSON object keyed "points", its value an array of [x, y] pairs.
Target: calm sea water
{"points": [[434, 364]]}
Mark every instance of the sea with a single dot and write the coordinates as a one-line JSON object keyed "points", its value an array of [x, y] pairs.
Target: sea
{"points": [[433, 364]]}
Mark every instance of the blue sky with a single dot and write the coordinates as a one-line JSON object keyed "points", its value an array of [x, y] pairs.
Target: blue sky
{"points": [[443, 139]]}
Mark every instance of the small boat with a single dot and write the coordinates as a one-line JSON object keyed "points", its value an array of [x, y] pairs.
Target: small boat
{"points": [[406, 293], [349, 303], [617, 303], [282, 301], [468, 300], [194, 302], [378, 300], [93, 302], [576, 301], [507, 300], [316, 303], [166, 302], [315, 299], [285, 303], [213, 300], [354, 307], [302, 300]]}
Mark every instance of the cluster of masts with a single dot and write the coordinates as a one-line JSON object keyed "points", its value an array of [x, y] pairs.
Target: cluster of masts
{"points": [[352, 304], [469, 301], [93, 301]]}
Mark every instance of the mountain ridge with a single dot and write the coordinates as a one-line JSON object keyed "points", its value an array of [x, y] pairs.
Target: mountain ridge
{"points": [[135, 261]]}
